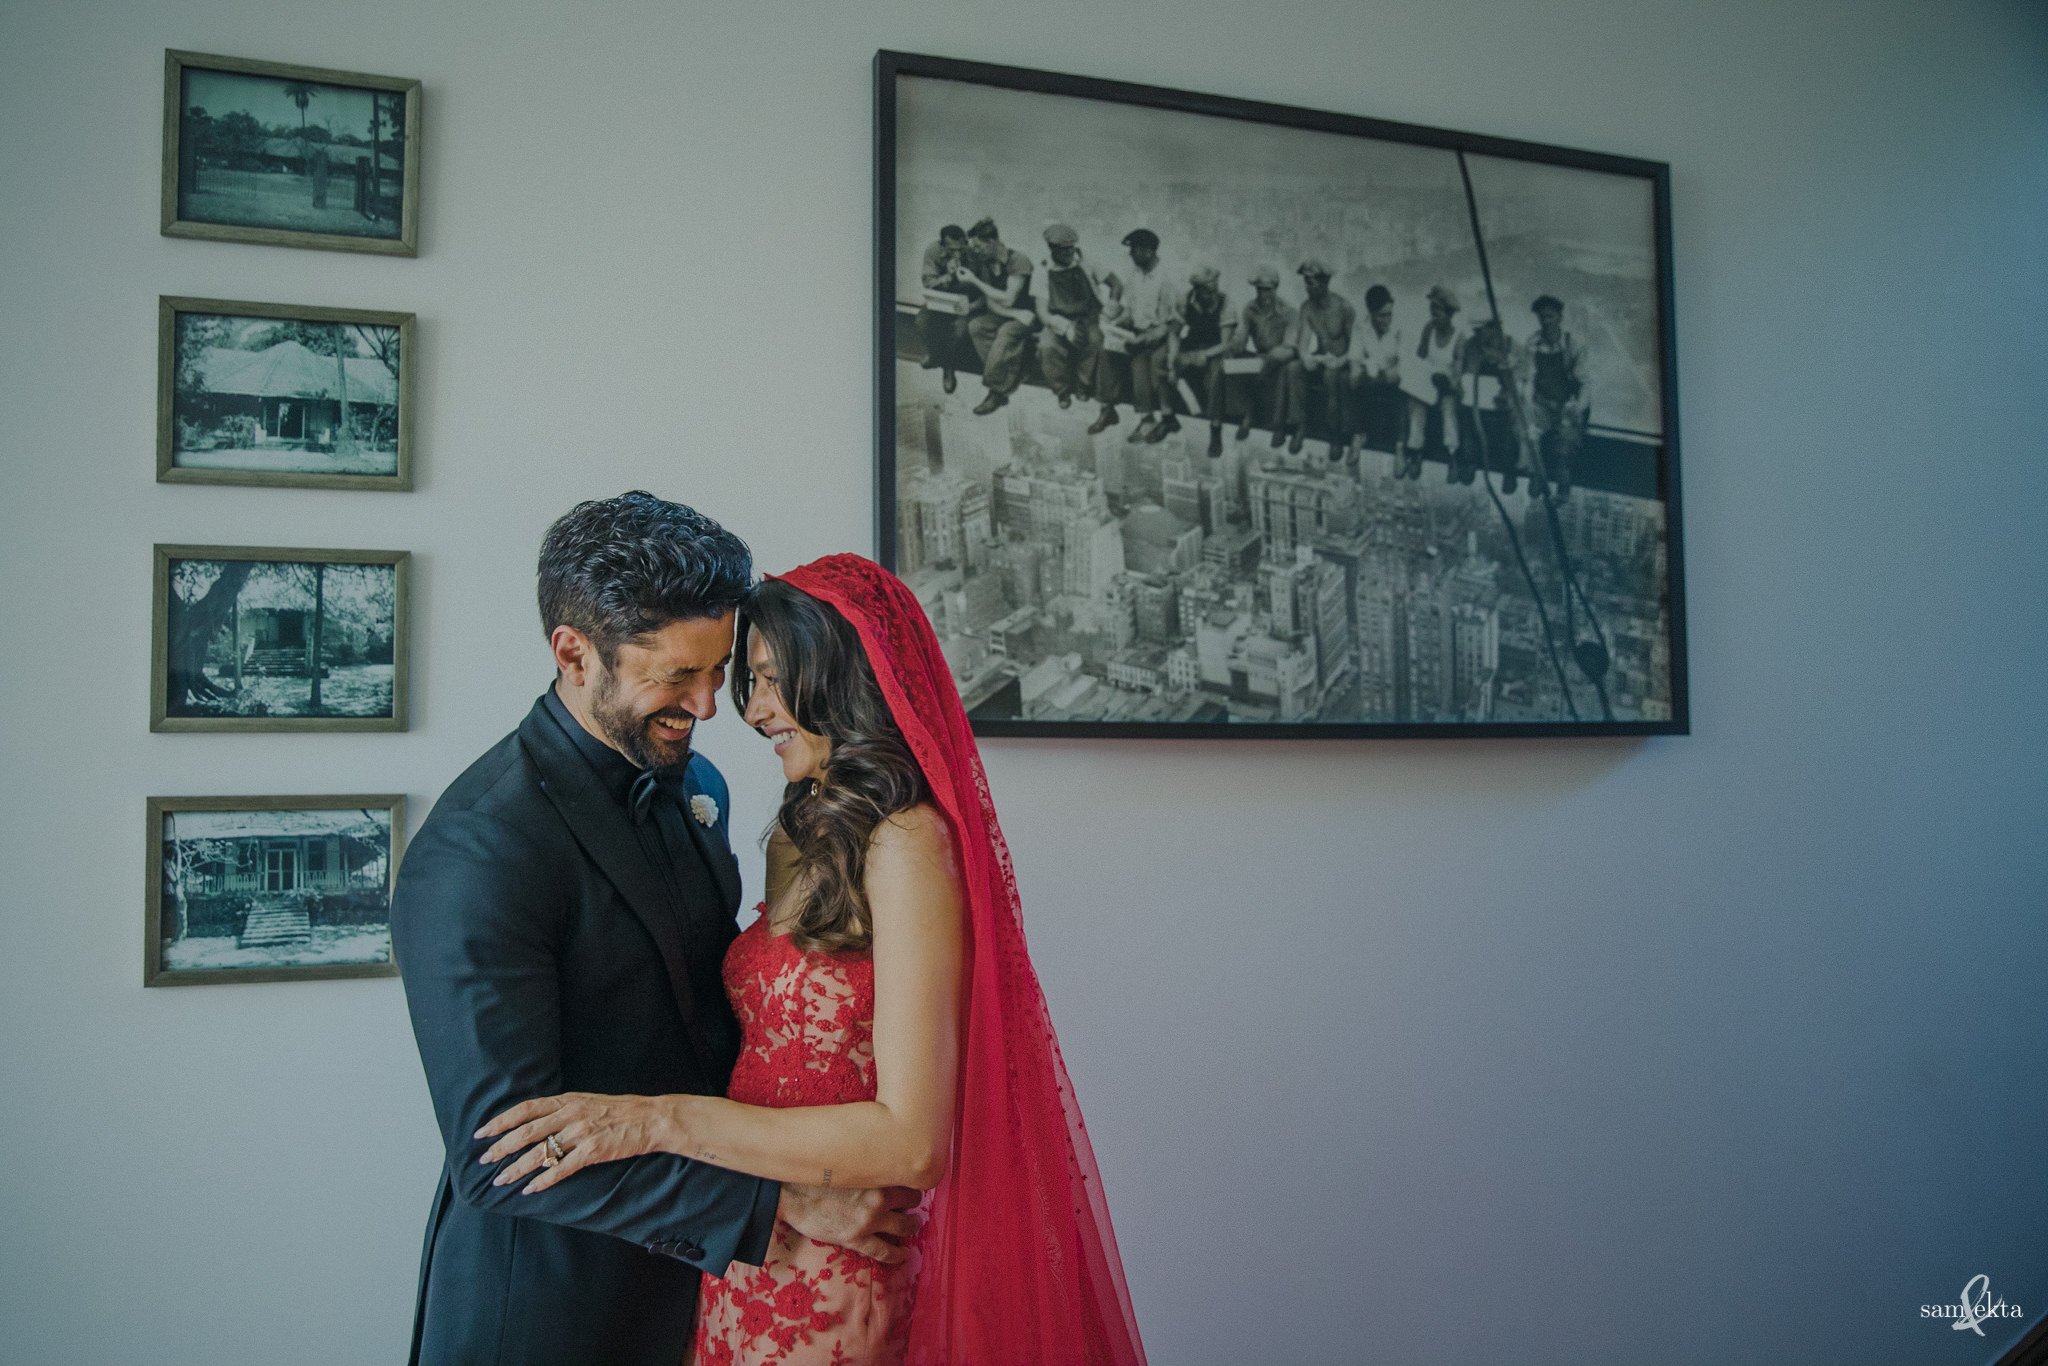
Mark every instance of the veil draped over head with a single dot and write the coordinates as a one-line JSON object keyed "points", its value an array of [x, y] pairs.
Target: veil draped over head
{"points": [[1020, 1263]]}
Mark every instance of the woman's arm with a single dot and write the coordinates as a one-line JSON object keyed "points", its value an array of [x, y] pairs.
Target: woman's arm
{"points": [[900, 1138]]}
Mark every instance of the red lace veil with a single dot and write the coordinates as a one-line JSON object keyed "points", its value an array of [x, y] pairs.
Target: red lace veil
{"points": [[1020, 1263]]}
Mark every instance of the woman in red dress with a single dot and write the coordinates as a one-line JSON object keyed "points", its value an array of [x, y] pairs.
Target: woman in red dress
{"points": [[894, 1033]]}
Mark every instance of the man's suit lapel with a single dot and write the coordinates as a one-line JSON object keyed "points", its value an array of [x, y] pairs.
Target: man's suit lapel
{"points": [[714, 843], [607, 837]]}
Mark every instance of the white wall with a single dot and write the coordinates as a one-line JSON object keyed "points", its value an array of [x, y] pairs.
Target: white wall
{"points": [[1717, 1049]]}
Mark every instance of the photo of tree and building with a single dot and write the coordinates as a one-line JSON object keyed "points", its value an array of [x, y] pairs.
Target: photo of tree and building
{"points": [[257, 638]]}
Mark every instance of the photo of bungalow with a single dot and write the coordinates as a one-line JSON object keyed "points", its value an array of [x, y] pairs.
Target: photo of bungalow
{"points": [[279, 405], [275, 888]]}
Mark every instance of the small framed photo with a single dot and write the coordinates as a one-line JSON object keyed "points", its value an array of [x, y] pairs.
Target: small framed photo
{"points": [[282, 395], [270, 889], [290, 156], [263, 639]]}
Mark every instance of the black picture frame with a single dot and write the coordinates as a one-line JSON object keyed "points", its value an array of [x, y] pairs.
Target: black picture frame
{"points": [[255, 163], [1627, 476]]}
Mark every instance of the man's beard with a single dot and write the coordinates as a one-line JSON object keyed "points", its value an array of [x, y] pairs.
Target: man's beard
{"points": [[628, 731]]}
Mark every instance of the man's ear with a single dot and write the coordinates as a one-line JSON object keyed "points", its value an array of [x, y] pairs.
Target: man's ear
{"points": [[575, 656]]}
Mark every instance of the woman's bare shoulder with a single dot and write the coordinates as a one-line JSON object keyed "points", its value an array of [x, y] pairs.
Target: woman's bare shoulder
{"points": [[913, 829], [913, 843]]}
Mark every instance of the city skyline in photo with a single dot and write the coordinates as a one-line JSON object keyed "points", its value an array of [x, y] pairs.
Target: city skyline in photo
{"points": [[1089, 578]]}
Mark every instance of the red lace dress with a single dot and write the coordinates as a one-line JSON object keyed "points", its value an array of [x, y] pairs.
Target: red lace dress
{"points": [[807, 1025]]}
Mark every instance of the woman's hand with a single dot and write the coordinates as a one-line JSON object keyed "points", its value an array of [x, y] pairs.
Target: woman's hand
{"points": [[584, 1128]]}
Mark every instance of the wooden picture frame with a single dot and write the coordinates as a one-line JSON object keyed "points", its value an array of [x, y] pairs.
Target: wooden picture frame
{"points": [[251, 411], [229, 175], [1354, 551], [302, 899], [214, 683]]}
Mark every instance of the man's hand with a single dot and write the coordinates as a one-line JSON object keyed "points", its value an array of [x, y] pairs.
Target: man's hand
{"points": [[875, 1223]]}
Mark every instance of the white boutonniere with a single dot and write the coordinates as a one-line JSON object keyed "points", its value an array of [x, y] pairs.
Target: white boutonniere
{"points": [[704, 809]]}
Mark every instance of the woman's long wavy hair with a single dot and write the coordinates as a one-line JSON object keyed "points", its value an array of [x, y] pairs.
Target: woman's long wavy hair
{"points": [[826, 682]]}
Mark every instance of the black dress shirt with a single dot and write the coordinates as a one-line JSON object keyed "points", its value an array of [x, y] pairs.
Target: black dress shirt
{"points": [[665, 837]]}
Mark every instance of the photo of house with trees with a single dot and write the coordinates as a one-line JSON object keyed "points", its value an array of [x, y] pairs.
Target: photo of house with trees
{"points": [[290, 396], [274, 888], [255, 638]]}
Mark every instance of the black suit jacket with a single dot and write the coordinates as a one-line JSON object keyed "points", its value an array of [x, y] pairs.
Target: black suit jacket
{"points": [[542, 951]]}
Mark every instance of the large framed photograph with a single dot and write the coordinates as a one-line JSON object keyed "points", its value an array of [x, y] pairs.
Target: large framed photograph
{"points": [[290, 396], [267, 889], [290, 156], [262, 639], [1199, 417]]}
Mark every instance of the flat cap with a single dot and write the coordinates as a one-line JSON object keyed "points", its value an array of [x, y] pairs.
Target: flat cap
{"points": [[1060, 235], [1205, 275], [1267, 276], [1439, 295], [1142, 237], [1314, 265]]}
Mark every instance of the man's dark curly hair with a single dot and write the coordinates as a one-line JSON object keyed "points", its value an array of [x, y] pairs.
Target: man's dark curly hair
{"points": [[617, 568]]}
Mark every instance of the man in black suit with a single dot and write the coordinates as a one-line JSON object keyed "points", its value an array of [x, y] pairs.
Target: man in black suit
{"points": [[560, 922]]}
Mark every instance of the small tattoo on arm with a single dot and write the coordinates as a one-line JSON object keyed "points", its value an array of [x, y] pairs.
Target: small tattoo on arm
{"points": [[828, 1178]]}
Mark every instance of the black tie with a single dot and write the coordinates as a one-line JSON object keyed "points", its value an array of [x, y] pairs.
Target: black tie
{"points": [[666, 781]]}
